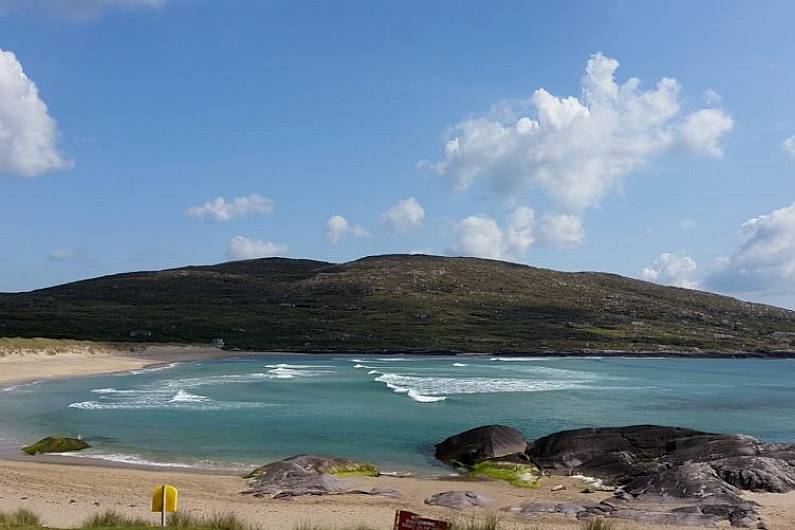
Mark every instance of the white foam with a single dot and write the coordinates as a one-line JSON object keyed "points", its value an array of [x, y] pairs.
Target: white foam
{"points": [[359, 366], [435, 386], [371, 372], [522, 359], [291, 373], [421, 398], [11, 388], [147, 370], [297, 366], [460, 365], [184, 396], [394, 359]]}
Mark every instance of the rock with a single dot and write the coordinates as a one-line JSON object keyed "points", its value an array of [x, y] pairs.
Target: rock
{"points": [[314, 464], [693, 481], [458, 500], [537, 508], [668, 518], [307, 475], [56, 444], [756, 473], [559, 487], [572, 449], [482, 443]]}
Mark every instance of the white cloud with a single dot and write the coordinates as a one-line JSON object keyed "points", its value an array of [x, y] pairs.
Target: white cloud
{"points": [[28, 134], [788, 146], [66, 254], [220, 210], [76, 9], [673, 269], [482, 236], [578, 149], [338, 228], [241, 247], [561, 230], [404, 216], [766, 259]]}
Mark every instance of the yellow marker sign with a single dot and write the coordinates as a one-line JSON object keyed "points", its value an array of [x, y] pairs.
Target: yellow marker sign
{"points": [[164, 499]]}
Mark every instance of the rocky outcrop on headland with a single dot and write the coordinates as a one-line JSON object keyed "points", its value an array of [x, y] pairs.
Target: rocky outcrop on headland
{"points": [[660, 474]]}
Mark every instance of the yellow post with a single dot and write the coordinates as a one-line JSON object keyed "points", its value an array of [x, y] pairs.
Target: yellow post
{"points": [[164, 500], [163, 509]]}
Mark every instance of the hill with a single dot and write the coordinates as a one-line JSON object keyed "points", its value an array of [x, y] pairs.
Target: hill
{"points": [[397, 303]]}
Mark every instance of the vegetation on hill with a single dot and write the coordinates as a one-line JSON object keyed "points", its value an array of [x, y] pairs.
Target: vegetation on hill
{"points": [[397, 303]]}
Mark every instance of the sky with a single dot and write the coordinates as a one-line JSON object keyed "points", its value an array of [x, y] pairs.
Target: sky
{"points": [[650, 139]]}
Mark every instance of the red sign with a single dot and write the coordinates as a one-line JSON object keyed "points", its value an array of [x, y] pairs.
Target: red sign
{"points": [[412, 521]]}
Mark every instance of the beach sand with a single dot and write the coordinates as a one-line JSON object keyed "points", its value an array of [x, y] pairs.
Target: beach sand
{"points": [[64, 495], [30, 365]]}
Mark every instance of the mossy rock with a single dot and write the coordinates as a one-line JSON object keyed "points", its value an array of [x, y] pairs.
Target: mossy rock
{"points": [[355, 469], [56, 444], [518, 475]]}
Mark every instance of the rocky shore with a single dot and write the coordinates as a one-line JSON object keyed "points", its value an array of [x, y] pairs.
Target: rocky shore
{"points": [[657, 475]]}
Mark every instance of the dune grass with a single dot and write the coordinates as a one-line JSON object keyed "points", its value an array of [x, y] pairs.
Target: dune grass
{"points": [[21, 518], [489, 522], [114, 519], [518, 475], [597, 524]]}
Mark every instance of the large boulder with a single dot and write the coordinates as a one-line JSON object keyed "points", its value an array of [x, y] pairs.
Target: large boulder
{"points": [[458, 500], [309, 475], [756, 473], [693, 480], [482, 443], [571, 449], [56, 444]]}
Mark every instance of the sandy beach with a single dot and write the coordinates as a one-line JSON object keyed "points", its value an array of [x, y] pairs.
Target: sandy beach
{"points": [[66, 494], [24, 365]]}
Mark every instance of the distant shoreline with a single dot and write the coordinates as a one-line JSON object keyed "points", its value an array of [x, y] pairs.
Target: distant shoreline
{"points": [[33, 365]]}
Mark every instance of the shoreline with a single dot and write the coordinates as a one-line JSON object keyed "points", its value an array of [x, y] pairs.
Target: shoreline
{"points": [[31, 366]]}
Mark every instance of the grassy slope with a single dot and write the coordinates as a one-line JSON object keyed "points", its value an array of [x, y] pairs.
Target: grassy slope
{"points": [[406, 303]]}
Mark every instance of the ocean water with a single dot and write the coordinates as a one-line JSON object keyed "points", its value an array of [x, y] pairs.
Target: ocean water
{"points": [[243, 412]]}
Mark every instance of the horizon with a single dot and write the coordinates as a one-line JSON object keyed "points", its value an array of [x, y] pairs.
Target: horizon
{"points": [[147, 134]]}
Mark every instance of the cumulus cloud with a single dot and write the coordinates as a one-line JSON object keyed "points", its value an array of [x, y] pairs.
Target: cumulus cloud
{"points": [[483, 237], [403, 217], [338, 228], [578, 149], [219, 210], [788, 146], [673, 269], [241, 247], [766, 259], [76, 9], [28, 134], [561, 230]]}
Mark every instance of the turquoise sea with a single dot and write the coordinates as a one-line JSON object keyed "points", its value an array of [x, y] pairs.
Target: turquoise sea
{"points": [[391, 410]]}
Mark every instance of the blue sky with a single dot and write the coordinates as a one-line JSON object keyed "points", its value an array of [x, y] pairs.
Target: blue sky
{"points": [[334, 130]]}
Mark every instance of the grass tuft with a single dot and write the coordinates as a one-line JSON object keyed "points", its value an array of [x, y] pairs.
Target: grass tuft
{"points": [[490, 522], [597, 524], [114, 519], [19, 518], [518, 475]]}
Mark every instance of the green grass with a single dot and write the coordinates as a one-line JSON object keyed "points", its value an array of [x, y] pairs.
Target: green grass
{"points": [[20, 518], [518, 475], [114, 519], [597, 524], [490, 522]]}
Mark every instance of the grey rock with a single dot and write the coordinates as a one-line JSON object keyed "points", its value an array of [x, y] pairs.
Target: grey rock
{"points": [[668, 518], [482, 443], [693, 481], [757, 473], [302, 475], [538, 508], [458, 500]]}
